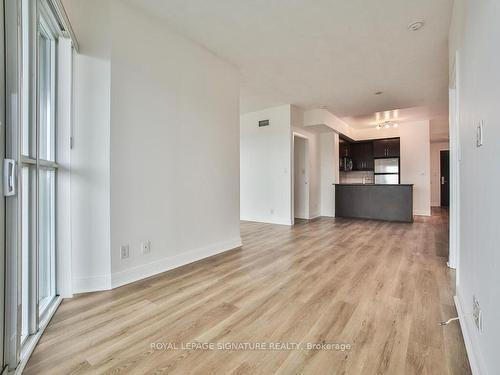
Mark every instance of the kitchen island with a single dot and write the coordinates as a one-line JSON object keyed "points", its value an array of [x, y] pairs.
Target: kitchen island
{"points": [[375, 201]]}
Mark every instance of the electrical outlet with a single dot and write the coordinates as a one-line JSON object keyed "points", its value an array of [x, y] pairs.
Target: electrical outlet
{"points": [[146, 247], [477, 314], [124, 251], [272, 211]]}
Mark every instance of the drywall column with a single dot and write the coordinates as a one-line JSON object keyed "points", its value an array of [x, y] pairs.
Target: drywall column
{"points": [[329, 172], [63, 196]]}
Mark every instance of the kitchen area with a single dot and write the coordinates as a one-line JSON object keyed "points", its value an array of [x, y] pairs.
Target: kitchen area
{"points": [[370, 181]]}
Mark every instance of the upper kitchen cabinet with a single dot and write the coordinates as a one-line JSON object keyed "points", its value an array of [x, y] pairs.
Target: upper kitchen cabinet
{"points": [[362, 156], [344, 149], [386, 148]]}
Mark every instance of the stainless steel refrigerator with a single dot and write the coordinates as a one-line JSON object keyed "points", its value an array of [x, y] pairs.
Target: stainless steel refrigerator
{"points": [[387, 171]]}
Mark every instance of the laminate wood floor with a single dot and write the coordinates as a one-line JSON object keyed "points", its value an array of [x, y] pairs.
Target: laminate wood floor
{"points": [[379, 287]]}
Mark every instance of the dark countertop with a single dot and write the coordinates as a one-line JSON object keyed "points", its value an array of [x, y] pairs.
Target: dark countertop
{"points": [[358, 184]]}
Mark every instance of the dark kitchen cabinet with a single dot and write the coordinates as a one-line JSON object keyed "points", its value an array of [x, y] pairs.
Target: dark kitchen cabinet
{"points": [[386, 148], [362, 156], [344, 149], [393, 148]]}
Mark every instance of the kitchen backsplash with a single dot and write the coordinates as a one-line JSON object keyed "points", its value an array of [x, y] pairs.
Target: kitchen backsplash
{"points": [[356, 178]]}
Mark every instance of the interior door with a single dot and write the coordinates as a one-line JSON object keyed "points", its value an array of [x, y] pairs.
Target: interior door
{"points": [[445, 178]]}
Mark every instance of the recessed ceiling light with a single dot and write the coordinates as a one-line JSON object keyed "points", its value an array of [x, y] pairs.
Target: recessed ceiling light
{"points": [[379, 93], [416, 25]]}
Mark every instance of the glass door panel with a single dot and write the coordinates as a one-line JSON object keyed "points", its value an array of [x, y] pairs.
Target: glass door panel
{"points": [[28, 215], [46, 97], [46, 240]]}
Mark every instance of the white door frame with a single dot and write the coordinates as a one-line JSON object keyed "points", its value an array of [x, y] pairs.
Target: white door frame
{"points": [[454, 124], [306, 139]]}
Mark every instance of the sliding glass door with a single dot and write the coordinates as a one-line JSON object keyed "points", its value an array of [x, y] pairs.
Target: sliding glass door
{"points": [[31, 149]]}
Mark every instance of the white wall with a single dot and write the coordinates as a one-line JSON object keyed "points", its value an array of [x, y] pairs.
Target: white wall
{"points": [[265, 166], [474, 34], [415, 158], [156, 153], [174, 148], [267, 156], [90, 181], [436, 148], [90, 175]]}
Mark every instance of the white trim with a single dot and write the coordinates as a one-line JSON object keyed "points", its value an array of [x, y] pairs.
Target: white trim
{"points": [[268, 220], [64, 19], [107, 282], [421, 213], [150, 269], [33, 340], [475, 360], [303, 216], [91, 284]]}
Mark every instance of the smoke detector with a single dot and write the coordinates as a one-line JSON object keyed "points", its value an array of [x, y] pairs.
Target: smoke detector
{"points": [[415, 26]]}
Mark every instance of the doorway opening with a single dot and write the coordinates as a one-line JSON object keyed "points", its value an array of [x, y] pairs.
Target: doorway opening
{"points": [[445, 177], [300, 177]]}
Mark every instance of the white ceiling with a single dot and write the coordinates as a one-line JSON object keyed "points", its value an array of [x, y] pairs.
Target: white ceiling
{"points": [[324, 53]]}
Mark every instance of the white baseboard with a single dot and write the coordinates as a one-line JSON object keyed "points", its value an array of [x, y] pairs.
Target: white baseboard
{"points": [[91, 284], [150, 269], [475, 359], [107, 282], [302, 216], [267, 220], [422, 213]]}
